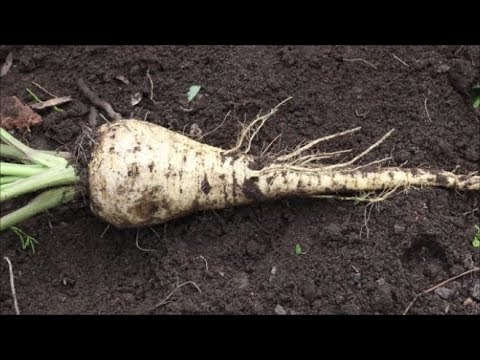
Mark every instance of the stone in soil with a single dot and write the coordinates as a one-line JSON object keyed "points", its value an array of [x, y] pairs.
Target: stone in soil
{"points": [[444, 293], [15, 115], [279, 310], [475, 291]]}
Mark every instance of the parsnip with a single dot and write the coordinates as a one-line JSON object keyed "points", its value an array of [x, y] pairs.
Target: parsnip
{"points": [[143, 174]]}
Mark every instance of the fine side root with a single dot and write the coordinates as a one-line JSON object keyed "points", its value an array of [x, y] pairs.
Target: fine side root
{"points": [[251, 130], [369, 197], [216, 128], [300, 150], [12, 285], [297, 161], [79, 150], [269, 146], [362, 154]]}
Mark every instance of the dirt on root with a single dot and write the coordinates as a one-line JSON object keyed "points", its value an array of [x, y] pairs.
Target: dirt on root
{"points": [[243, 260]]}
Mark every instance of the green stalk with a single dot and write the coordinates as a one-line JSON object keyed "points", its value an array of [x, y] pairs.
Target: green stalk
{"points": [[11, 169], [36, 156], [48, 178], [50, 171], [12, 153], [9, 179], [46, 200]]}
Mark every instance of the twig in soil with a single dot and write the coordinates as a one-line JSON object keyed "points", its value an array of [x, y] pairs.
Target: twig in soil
{"points": [[104, 231], [7, 65], [44, 90], [51, 103], [165, 301], [459, 50], [139, 247], [93, 116], [146, 114], [426, 110], [104, 118], [403, 62], [206, 264], [437, 286], [156, 233], [470, 212], [362, 60], [36, 98], [95, 100], [151, 86], [12, 285], [361, 115]]}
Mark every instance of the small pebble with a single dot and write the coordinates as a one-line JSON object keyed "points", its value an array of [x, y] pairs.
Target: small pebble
{"points": [[195, 131], [475, 291], [279, 310], [357, 89], [468, 301], [398, 229], [443, 68], [356, 278], [444, 293]]}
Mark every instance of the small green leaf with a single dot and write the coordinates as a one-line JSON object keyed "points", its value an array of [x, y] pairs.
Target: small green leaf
{"points": [[476, 239], [298, 250], [476, 103], [192, 92]]}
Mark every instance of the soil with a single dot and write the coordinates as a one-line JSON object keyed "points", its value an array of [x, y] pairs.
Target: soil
{"points": [[243, 260]]}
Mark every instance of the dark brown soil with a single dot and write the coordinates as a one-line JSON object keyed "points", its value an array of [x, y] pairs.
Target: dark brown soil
{"points": [[414, 240]]}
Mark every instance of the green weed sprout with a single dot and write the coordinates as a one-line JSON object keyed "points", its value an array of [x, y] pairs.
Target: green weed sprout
{"points": [[298, 250], [476, 96], [476, 239], [37, 99], [192, 92], [27, 240]]}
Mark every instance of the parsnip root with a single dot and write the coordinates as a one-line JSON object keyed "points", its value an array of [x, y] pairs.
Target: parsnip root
{"points": [[143, 174]]}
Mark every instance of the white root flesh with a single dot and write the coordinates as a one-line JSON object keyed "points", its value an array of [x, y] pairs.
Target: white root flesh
{"points": [[143, 174]]}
